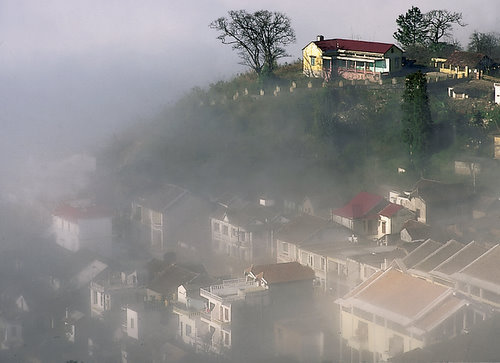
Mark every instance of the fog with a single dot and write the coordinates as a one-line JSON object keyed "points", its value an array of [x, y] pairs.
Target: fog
{"points": [[140, 195]]}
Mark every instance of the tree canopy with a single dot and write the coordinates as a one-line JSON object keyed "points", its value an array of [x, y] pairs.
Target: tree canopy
{"points": [[440, 23], [412, 28], [486, 43], [260, 38], [415, 28]]}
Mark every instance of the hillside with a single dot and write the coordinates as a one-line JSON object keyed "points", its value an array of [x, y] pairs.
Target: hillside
{"points": [[294, 135]]}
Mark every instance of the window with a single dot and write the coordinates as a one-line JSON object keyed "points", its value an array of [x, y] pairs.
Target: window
{"points": [[323, 263], [102, 299], [225, 230], [182, 326], [284, 246], [242, 236], [188, 330], [216, 227], [226, 338], [234, 232], [95, 298], [310, 260], [226, 314], [383, 227], [132, 323], [313, 60], [417, 213]]}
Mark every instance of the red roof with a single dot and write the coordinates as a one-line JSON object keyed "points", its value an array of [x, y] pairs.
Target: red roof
{"points": [[353, 45], [390, 210], [359, 206], [69, 212]]}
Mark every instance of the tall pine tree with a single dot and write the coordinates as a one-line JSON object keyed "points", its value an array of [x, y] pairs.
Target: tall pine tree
{"points": [[416, 119]]}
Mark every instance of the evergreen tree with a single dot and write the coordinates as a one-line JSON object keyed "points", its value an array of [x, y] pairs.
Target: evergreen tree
{"points": [[416, 120], [412, 28]]}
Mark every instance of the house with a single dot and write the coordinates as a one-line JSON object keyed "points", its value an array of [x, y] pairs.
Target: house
{"points": [[434, 259], [82, 224], [393, 312], [169, 217], [496, 142], [480, 279], [462, 64], [292, 234], [392, 218], [339, 260], [288, 282], [223, 303], [442, 274], [109, 291], [415, 231], [350, 59], [361, 214], [240, 312], [244, 231], [421, 252], [189, 308], [434, 202], [162, 290]]}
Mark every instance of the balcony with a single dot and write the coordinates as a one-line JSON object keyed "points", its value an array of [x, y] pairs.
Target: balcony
{"points": [[181, 309]]}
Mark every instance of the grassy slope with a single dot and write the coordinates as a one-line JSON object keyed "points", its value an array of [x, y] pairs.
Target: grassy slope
{"points": [[312, 138]]}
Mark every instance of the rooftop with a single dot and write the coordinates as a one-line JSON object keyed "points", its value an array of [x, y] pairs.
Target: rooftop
{"points": [[360, 206], [75, 211], [404, 299], [484, 271], [421, 253], [461, 259], [170, 279], [439, 256], [353, 45], [390, 210], [281, 272], [301, 228], [462, 59], [164, 198]]}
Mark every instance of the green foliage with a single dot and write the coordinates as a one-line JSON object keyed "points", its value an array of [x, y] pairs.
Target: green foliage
{"points": [[416, 120], [412, 28], [353, 135]]}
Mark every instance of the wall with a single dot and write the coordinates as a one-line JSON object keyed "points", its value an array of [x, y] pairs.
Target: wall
{"points": [[132, 324], [310, 70]]}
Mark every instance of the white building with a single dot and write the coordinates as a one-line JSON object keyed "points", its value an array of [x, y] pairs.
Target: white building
{"points": [[80, 224], [189, 308], [222, 302], [497, 93], [244, 231]]}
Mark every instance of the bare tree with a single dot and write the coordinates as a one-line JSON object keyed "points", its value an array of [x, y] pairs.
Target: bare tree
{"points": [[487, 43], [259, 38], [440, 23]]}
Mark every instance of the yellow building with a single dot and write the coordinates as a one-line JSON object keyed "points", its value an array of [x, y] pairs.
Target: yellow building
{"points": [[393, 312], [350, 59], [463, 64]]}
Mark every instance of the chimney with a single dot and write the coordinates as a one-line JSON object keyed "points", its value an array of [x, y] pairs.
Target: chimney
{"points": [[319, 38]]}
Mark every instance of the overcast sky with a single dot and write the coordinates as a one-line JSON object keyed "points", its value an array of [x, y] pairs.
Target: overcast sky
{"points": [[75, 71]]}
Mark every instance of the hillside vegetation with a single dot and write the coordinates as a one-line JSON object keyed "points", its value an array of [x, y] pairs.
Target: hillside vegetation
{"points": [[308, 139]]}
